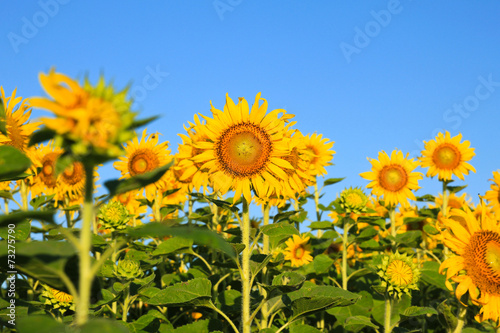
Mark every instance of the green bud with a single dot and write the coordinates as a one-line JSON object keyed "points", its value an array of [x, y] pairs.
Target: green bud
{"points": [[128, 269], [113, 216]]}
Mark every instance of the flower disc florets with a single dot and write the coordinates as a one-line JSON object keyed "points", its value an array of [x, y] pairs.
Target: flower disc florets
{"points": [[57, 299], [353, 200], [128, 269], [399, 274], [113, 216]]}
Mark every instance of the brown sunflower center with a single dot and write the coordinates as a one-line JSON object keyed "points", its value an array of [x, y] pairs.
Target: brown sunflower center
{"points": [[393, 177], [73, 174], [482, 261], [299, 252], [243, 150], [47, 175], [400, 273], [446, 156], [141, 161]]}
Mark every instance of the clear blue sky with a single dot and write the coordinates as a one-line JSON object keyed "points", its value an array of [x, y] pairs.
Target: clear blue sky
{"points": [[369, 75]]}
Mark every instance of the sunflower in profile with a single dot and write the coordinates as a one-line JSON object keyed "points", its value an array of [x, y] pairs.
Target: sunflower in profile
{"points": [[142, 156], [445, 156], [493, 195], [320, 153], [476, 266], [92, 117], [393, 178], [244, 149], [298, 251], [18, 125]]}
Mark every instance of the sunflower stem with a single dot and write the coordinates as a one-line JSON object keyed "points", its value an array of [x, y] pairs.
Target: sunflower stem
{"points": [[347, 226], [444, 208], [85, 280], [316, 204], [265, 250], [245, 276], [460, 319], [387, 314]]}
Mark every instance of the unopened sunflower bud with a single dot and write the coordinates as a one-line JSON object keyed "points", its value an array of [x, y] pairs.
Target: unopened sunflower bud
{"points": [[353, 200], [399, 274], [128, 269], [113, 216]]}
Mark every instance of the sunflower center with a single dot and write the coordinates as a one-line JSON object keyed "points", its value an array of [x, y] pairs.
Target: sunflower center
{"points": [[400, 273], [482, 261], [143, 160], [446, 156], [299, 252], [244, 149], [393, 177], [47, 175], [73, 174]]}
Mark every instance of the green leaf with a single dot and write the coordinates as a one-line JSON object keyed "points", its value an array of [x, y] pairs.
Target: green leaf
{"points": [[455, 189], [174, 245], [279, 229], [430, 274], [303, 328], [40, 201], [193, 292], [447, 316], [430, 230], [331, 181], [6, 195], [322, 225], [117, 186], [408, 237], [229, 301], [283, 283], [366, 234], [256, 267], [42, 135], [356, 323], [372, 220], [219, 203], [397, 306], [39, 324], [20, 216], [427, 198], [414, 311], [200, 326], [284, 215], [22, 231], [322, 263], [199, 235], [3, 118], [371, 245], [12, 163], [142, 122], [363, 306], [63, 162], [102, 325]]}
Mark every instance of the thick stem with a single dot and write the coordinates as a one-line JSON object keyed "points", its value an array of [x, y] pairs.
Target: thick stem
{"points": [[460, 319], [126, 304], [245, 270], [347, 226], [85, 282], [387, 314], [265, 249], [446, 196], [392, 216], [316, 204]]}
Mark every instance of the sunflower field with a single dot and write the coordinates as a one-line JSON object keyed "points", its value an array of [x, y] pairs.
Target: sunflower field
{"points": [[216, 237]]}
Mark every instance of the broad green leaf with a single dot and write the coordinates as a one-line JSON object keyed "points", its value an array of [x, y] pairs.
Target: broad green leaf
{"points": [[219, 203], [173, 245], [408, 237], [200, 326], [284, 215], [142, 122], [257, 266], [371, 245], [322, 263], [366, 234], [322, 225], [430, 274], [150, 292], [229, 301], [102, 325], [409, 220], [17, 217], [12, 162], [303, 328], [22, 231], [6, 195], [414, 311], [357, 323], [42, 135], [455, 189], [199, 235], [447, 316], [40, 201], [331, 181], [118, 186], [361, 308], [283, 283], [397, 306], [427, 198], [107, 297], [39, 324], [145, 323], [279, 229], [193, 292], [430, 230], [372, 220]]}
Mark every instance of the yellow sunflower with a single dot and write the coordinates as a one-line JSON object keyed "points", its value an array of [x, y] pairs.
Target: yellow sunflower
{"points": [[298, 251], [142, 156], [493, 195], [244, 149], [476, 266], [320, 153], [446, 156], [393, 178], [45, 180], [131, 201], [454, 201], [18, 124], [93, 116]]}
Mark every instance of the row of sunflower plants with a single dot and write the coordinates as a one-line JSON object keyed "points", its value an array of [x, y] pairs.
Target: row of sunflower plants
{"points": [[217, 237]]}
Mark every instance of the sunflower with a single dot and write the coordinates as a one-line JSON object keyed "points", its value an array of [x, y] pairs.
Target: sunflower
{"points": [[298, 251], [244, 149], [353, 200], [45, 180], [17, 121], [320, 153], [454, 201], [131, 201], [94, 117], [393, 178], [476, 266], [142, 156], [493, 195], [446, 156], [399, 274]]}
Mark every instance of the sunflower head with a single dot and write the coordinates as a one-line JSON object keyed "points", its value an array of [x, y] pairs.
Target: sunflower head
{"points": [[128, 269], [353, 200], [446, 156], [91, 119], [57, 299], [298, 251], [399, 274], [113, 216]]}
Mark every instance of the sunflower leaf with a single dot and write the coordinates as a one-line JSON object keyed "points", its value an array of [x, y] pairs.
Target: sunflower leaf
{"points": [[282, 216], [331, 181], [193, 292], [12, 163], [142, 122], [455, 189], [117, 186], [42, 135], [279, 229], [3, 117], [18, 217]]}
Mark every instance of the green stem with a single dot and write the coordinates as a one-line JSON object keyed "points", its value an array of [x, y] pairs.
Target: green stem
{"points": [[460, 319], [126, 304], [266, 251], [245, 276], [85, 280], [446, 196], [392, 216], [347, 226], [387, 314], [213, 307], [316, 204]]}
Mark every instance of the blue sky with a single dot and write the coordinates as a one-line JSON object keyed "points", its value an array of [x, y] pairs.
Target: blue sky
{"points": [[369, 75]]}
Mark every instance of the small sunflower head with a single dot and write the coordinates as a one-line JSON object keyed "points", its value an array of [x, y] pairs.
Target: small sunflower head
{"points": [[128, 269], [58, 300], [399, 274], [113, 216], [353, 200]]}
